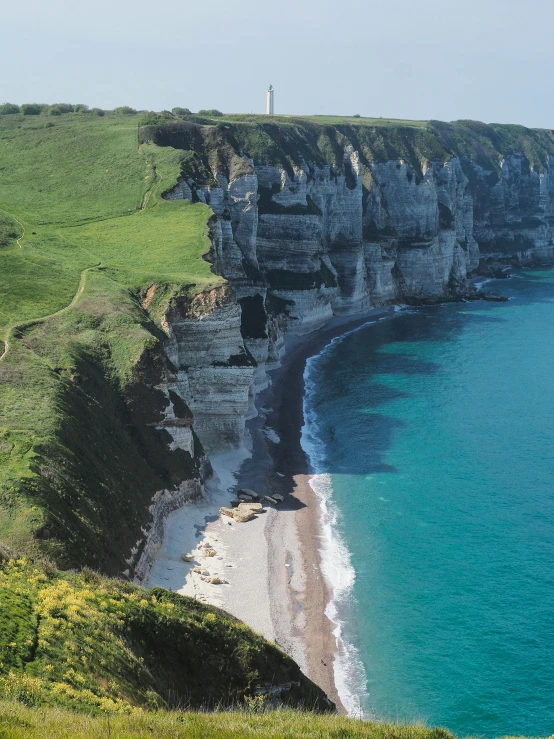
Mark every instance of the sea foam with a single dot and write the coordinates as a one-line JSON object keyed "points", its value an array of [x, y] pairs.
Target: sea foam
{"points": [[336, 565]]}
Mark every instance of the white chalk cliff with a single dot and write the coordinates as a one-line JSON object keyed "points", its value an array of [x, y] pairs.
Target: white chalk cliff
{"points": [[302, 240]]}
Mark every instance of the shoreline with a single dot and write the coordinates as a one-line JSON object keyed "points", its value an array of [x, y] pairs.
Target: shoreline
{"points": [[271, 567], [316, 630]]}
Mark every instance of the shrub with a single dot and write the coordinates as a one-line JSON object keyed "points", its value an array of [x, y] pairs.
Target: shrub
{"points": [[22, 688], [125, 110], [8, 232], [9, 109], [356, 115], [31, 108], [80, 108], [60, 108], [212, 112], [98, 111], [181, 111]]}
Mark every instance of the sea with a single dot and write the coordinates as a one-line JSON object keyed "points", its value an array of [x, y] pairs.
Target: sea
{"points": [[431, 441]]}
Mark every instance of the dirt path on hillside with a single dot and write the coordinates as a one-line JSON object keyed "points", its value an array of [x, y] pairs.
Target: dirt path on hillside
{"points": [[82, 283], [18, 241]]}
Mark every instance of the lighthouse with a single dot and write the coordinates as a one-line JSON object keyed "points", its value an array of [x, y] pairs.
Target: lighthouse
{"points": [[269, 103]]}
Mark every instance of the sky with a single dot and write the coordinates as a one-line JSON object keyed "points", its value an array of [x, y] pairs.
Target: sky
{"points": [[488, 60]]}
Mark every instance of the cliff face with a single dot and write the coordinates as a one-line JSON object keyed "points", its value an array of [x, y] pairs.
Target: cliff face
{"points": [[318, 242], [514, 210], [316, 223]]}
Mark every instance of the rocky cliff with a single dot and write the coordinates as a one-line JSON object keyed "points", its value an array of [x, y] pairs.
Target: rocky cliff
{"points": [[311, 221]]}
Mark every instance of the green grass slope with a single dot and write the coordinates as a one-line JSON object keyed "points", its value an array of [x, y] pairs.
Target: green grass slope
{"points": [[91, 644], [83, 233], [20, 722]]}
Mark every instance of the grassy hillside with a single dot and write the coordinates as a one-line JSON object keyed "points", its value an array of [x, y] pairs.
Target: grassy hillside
{"points": [[83, 232], [19, 722], [92, 644]]}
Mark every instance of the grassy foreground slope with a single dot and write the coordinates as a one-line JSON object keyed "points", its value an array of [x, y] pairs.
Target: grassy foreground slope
{"points": [[19, 722], [83, 233], [91, 644]]}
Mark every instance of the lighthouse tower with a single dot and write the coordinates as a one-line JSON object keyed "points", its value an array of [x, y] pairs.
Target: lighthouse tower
{"points": [[269, 103]]}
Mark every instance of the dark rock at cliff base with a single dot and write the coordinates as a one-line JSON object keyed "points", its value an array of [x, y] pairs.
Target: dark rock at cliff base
{"points": [[246, 493], [493, 269], [494, 297]]}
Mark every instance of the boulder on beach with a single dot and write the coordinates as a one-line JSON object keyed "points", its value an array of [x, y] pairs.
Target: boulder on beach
{"points": [[226, 511], [235, 503], [187, 557], [209, 552], [254, 507], [277, 497], [243, 516], [270, 499], [248, 493]]}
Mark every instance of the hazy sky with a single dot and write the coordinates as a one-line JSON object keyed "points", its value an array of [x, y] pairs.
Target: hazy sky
{"points": [[491, 60]]}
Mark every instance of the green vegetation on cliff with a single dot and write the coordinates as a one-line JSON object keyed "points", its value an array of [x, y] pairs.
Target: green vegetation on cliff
{"points": [[287, 141], [20, 722], [83, 233], [91, 644]]}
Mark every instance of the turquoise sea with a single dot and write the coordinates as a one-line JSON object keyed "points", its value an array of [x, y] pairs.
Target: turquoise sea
{"points": [[432, 436]]}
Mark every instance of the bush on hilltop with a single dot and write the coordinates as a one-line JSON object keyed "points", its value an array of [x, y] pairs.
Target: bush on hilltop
{"points": [[32, 108], [212, 112], [181, 111], [9, 109], [125, 110], [8, 231], [60, 109]]}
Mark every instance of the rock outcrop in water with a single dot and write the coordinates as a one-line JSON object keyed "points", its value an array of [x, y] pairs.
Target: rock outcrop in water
{"points": [[315, 221]]}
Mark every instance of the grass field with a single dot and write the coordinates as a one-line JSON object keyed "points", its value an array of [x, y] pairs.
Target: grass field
{"points": [[19, 722], [330, 120], [77, 189]]}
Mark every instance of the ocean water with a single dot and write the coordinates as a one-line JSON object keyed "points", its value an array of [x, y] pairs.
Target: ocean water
{"points": [[432, 438]]}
